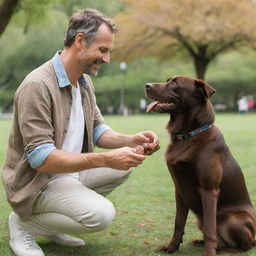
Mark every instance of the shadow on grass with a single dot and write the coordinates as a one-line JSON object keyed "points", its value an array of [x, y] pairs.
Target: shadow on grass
{"points": [[51, 249]]}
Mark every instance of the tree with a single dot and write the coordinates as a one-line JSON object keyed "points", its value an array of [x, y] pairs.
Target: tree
{"points": [[7, 9], [110, 7], [27, 12], [200, 29]]}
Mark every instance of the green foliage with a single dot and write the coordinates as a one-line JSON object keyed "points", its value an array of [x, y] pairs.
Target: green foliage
{"points": [[232, 74], [133, 81], [202, 30], [35, 34], [69, 6], [31, 12], [29, 51]]}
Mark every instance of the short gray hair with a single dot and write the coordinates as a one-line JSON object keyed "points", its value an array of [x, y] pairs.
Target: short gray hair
{"points": [[87, 21]]}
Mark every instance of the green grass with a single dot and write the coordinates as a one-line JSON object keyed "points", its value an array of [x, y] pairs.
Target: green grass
{"points": [[145, 203]]}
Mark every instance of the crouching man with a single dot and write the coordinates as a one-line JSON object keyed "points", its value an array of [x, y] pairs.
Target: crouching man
{"points": [[54, 181]]}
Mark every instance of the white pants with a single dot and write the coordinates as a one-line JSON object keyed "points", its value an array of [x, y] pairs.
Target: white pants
{"points": [[68, 205]]}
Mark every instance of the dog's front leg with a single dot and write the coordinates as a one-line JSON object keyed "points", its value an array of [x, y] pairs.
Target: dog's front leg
{"points": [[180, 221], [209, 203]]}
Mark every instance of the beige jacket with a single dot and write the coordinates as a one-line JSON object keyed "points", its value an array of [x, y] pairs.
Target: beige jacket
{"points": [[41, 115]]}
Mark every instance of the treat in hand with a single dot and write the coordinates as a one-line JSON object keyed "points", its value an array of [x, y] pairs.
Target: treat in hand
{"points": [[150, 148], [146, 149], [139, 150]]}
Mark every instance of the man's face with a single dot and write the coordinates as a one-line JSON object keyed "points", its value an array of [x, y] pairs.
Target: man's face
{"points": [[98, 52]]}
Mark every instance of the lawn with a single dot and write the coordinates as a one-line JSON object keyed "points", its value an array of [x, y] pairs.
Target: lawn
{"points": [[145, 203]]}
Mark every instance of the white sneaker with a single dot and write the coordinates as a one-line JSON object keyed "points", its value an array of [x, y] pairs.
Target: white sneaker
{"points": [[66, 240], [22, 242]]}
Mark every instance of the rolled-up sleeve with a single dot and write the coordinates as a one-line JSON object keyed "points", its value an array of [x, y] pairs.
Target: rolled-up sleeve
{"points": [[98, 131], [35, 116], [37, 157]]}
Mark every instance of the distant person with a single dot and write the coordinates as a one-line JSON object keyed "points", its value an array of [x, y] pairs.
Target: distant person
{"points": [[54, 182], [143, 105], [251, 103], [242, 105]]}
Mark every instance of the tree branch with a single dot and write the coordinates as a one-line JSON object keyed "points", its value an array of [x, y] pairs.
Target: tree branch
{"points": [[226, 46], [178, 36], [6, 11]]}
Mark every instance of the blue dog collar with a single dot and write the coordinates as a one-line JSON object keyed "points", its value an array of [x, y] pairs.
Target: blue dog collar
{"points": [[187, 135]]}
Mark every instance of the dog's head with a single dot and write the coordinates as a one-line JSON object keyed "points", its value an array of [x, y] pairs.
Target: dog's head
{"points": [[177, 93]]}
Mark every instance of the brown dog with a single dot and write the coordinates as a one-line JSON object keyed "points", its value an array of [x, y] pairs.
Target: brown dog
{"points": [[207, 178]]}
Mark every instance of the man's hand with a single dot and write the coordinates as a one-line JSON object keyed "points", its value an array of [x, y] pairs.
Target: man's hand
{"points": [[124, 158], [148, 140]]}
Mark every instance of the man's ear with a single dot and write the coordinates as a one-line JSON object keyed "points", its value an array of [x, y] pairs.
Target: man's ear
{"points": [[204, 88], [80, 41]]}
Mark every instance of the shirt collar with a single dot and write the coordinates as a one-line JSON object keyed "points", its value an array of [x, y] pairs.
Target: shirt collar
{"points": [[61, 74]]}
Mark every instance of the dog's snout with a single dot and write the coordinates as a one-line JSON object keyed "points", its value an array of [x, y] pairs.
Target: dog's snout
{"points": [[148, 86]]}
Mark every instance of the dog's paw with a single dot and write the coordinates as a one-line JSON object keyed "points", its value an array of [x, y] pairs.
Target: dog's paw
{"points": [[197, 242], [168, 249]]}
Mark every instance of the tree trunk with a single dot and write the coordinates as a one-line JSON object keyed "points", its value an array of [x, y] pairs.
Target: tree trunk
{"points": [[6, 11], [200, 67], [201, 61]]}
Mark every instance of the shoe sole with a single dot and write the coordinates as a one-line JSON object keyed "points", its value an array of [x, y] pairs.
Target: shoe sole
{"points": [[68, 245], [19, 253]]}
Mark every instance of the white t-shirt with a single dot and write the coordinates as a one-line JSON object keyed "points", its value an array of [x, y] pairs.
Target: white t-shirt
{"points": [[75, 135]]}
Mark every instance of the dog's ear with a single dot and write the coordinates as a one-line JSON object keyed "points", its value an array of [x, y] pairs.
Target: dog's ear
{"points": [[204, 88]]}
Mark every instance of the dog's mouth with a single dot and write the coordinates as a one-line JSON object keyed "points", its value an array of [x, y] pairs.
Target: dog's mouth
{"points": [[163, 105]]}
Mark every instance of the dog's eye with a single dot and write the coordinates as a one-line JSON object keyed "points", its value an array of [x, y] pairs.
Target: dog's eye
{"points": [[173, 84]]}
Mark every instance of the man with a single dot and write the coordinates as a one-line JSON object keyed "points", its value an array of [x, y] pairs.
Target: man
{"points": [[54, 181]]}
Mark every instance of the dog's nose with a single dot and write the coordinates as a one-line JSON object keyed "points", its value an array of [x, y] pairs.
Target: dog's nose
{"points": [[148, 86]]}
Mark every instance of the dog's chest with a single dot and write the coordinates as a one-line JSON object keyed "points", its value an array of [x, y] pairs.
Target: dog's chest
{"points": [[185, 178], [184, 174], [180, 152]]}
